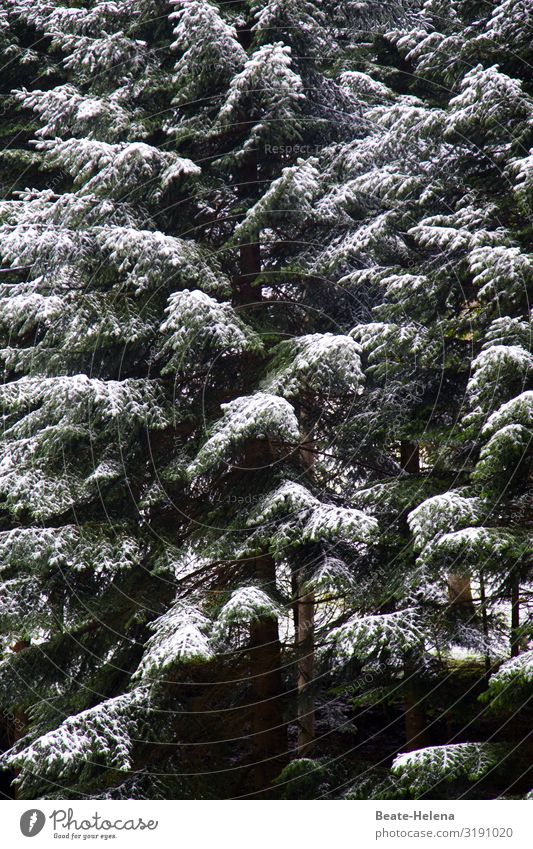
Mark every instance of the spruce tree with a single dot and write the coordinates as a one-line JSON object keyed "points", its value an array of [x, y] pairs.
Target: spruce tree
{"points": [[267, 396], [445, 248], [92, 258], [142, 391]]}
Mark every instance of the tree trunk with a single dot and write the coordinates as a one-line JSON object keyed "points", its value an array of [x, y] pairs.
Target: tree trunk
{"points": [[410, 457], [459, 586], [485, 624], [250, 263], [460, 592], [304, 623], [250, 253], [16, 723], [515, 618], [415, 722], [269, 732], [306, 664]]}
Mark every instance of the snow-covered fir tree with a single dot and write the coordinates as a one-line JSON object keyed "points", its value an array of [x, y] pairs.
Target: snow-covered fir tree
{"points": [[265, 463], [444, 244]]}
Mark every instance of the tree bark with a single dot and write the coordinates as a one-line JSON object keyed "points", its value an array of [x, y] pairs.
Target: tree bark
{"points": [[250, 263], [17, 721], [515, 618], [485, 624], [269, 732], [415, 722], [250, 253], [410, 457], [304, 623], [305, 647], [460, 592]]}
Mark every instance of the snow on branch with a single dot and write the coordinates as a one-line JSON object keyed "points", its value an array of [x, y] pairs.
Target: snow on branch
{"points": [[438, 514], [512, 685], [150, 259], [209, 51], [368, 637], [322, 363], [181, 635], [198, 327], [289, 197], [246, 605], [292, 516], [252, 417], [102, 735], [65, 111], [266, 94], [423, 770], [498, 372], [118, 170]]}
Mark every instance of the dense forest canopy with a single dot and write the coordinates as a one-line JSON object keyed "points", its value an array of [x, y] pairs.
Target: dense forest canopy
{"points": [[265, 464]]}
